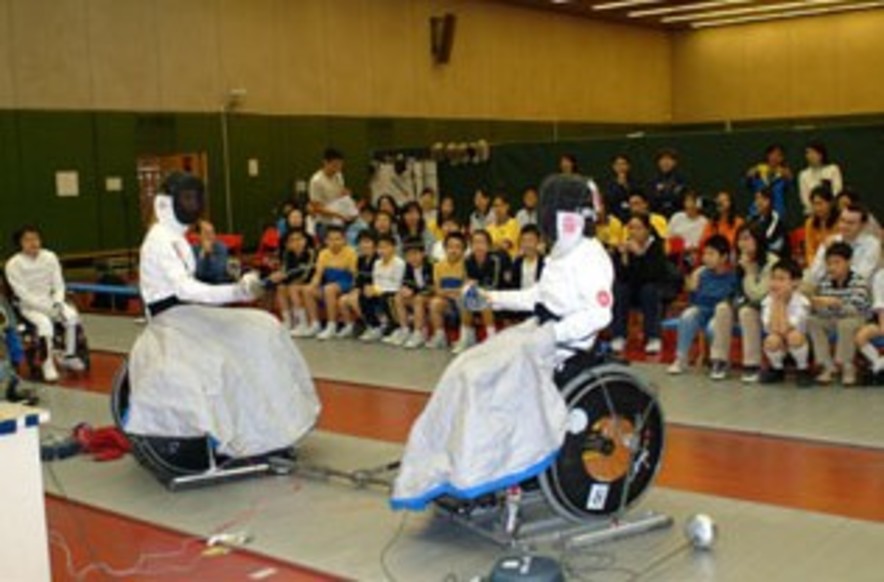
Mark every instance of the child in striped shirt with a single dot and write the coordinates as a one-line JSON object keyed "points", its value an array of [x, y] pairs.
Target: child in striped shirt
{"points": [[841, 306]]}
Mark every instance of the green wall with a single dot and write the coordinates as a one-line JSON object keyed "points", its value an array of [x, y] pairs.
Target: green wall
{"points": [[36, 144], [711, 158]]}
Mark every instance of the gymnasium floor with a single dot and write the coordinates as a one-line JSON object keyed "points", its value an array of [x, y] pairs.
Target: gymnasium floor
{"points": [[795, 480]]}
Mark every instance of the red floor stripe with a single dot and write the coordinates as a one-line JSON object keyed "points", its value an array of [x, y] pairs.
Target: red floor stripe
{"points": [[96, 535]]}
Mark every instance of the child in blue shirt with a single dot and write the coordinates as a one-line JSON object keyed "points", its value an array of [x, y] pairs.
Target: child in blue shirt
{"points": [[709, 285]]}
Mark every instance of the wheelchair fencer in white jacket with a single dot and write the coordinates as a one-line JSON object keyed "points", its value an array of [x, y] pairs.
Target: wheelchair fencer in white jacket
{"points": [[199, 370], [496, 417]]}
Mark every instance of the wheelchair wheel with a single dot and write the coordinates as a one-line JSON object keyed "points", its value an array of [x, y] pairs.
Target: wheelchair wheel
{"points": [[613, 446], [167, 458]]}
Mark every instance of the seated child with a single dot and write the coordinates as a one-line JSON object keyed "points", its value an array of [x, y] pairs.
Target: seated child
{"points": [[503, 228], [335, 275], [362, 222], [386, 280], [840, 304], [417, 286], [350, 303], [784, 319], [528, 266], [770, 222], [489, 270], [449, 276], [874, 329], [712, 283], [298, 265], [448, 226]]}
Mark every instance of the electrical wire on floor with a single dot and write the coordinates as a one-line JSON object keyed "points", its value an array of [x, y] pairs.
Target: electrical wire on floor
{"points": [[143, 565], [394, 539]]}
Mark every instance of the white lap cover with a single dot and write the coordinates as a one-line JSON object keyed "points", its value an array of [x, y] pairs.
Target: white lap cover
{"points": [[230, 373], [495, 419]]}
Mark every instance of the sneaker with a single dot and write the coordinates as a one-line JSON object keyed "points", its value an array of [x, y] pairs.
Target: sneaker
{"points": [[825, 377], [397, 338], [50, 374], [751, 375], [772, 376], [73, 363], [464, 343], [618, 344], [437, 342], [300, 330], [653, 347], [416, 340], [675, 368], [327, 333], [345, 332], [848, 376], [719, 370], [804, 379], [371, 334]]}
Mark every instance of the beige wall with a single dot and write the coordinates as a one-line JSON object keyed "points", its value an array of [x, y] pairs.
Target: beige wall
{"points": [[832, 65], [346, 57]]}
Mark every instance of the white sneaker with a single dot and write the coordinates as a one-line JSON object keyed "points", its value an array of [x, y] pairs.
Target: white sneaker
{"points": [[437, 342], [464, 343], [73, 363], [675, 368], [397, 338], [417, 340], [327, 333], [372, 334], [345, 332], [653, 347], [618, 344], [300, 330], [50, 374]]}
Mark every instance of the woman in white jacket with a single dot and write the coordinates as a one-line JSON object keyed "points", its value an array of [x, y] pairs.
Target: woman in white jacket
{"points": [[233, 375], [818, 171]]}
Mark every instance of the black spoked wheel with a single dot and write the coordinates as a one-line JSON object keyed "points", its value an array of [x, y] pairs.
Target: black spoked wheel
{"points": [[613, 447]]}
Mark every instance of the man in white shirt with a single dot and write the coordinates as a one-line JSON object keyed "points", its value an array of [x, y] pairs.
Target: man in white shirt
{"points": [[34, 275], [326, 191], [852, 230]]}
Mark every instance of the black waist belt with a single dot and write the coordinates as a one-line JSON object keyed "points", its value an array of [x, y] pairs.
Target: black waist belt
{"points": [[162, 305], [542, 313]]}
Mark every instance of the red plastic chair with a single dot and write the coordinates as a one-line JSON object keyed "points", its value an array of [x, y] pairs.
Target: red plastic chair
{"points": [[797, 239]]}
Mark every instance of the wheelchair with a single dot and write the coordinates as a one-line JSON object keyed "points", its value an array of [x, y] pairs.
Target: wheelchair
{"points": [[187, 462], [35, 350], [610, 457]]}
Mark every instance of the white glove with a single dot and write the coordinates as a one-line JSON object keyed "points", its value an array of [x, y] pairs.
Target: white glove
{"points": [[250, 285]]}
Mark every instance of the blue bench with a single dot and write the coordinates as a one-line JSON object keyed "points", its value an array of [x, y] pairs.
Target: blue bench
{"points": [[121, 290]]}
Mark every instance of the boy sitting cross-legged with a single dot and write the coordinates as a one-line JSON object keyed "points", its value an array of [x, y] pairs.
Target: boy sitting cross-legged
{"points": [[417, 287], [784, 318]]}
